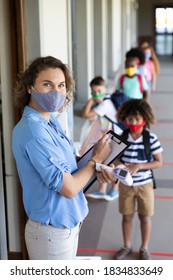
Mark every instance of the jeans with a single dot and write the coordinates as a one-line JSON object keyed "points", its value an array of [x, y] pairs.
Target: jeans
{"points": [[51, 243]]}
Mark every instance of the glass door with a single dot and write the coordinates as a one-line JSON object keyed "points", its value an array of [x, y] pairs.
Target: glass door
{"points": [[164, 30]]}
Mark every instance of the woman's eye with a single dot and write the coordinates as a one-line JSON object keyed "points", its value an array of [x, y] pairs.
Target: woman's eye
{"points": [[47, 84], [62, 85]]}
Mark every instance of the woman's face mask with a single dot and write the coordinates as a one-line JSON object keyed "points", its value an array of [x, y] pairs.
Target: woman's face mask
{"points": [[131, 71], [52, 101]]}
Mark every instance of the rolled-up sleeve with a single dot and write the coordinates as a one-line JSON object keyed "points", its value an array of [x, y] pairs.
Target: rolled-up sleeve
{"points": [[48, 161]]}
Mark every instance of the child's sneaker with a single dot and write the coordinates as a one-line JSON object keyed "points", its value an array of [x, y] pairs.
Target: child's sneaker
{"points": [[112, 194], [144, 255], [98, 195], [122, 253]]}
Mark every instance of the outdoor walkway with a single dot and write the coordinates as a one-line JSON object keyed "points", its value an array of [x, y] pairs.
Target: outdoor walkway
{"points": [[101, 232]]}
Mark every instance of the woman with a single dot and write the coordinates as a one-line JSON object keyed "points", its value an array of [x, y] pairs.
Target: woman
{"points": [[46, 162]]}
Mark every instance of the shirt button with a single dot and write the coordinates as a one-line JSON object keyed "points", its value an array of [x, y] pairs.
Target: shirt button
{"points": [[51, 158]]}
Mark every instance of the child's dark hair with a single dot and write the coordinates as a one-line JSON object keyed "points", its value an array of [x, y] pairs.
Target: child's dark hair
{"points": [[136, 107], [97, 81], [136, 52]]}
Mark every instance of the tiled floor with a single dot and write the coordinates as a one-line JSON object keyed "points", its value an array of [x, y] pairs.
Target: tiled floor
{"points": [[101, 232]]}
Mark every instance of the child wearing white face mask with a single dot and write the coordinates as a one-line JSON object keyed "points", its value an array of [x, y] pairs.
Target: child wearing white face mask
{"points": [[132, 84]]}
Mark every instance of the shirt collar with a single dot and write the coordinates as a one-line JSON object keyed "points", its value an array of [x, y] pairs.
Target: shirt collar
{"points": [[29, 112]]}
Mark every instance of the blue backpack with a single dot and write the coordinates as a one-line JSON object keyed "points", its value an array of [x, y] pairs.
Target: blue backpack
{"points": [[118, 97]]}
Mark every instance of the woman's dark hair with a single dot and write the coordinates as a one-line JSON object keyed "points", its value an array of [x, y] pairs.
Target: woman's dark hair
{"points": [[28, 77], [136, 107], [136, 52]]}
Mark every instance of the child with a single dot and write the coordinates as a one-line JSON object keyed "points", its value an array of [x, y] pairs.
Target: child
{"points": [[137, 116], [150, 70], [139, 55], [133, 85], [97, 107], [154, 57]]}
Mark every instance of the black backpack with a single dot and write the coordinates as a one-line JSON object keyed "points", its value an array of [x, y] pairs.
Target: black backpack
{"points": [[146, 141]]}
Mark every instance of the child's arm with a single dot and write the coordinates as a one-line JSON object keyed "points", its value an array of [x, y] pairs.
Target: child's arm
{"points": [[146, 95], [88, 111], [153, 79], [145, 88], [156, 163]]}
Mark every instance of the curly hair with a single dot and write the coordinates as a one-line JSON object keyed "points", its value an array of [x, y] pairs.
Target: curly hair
{"points": [[136, 107], [28, 77]]}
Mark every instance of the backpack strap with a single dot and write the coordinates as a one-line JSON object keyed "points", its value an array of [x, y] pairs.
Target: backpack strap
{"points": [[122, 77], [147, 147], [125, 134], [140, 82]]}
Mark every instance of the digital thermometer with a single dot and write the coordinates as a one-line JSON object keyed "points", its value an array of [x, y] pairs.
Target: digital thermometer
{"points": [[120, 173]]}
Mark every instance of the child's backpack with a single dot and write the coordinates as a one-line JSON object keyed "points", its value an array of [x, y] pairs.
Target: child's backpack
{"points": [[139, 79], [146, 141], [118, 97]]}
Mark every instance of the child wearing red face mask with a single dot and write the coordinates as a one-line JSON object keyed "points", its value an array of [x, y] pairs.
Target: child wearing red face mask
{"points": [[137, 115], [133, 84]]}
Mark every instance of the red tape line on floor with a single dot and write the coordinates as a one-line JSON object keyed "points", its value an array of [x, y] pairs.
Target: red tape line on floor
{"points": [[167, 163], [165, 139], [163, 197], [91, 250]]}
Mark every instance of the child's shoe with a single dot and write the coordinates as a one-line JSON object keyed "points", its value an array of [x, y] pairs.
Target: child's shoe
{"points": [[98, 195], [112, 194], [144, 255], [122, 253]]}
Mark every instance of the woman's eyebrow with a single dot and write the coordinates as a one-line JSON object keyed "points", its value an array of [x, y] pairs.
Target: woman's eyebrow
{"points": [[47, 81]]}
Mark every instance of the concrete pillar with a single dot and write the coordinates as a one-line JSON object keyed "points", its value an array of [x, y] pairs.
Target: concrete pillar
{"points": [[84, 59], [100, 38]]}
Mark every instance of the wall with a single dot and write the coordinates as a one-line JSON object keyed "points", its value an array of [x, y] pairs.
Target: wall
{"points": [[12, 210], [32, 29], [54, 29]]}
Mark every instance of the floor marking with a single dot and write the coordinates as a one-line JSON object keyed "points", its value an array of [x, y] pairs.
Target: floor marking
{"points": [[163, 197], [168, 163], [91, 250], [166, 139]]}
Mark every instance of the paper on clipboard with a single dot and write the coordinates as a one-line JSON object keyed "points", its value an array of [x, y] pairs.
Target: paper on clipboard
{"points": [[118, 146]]}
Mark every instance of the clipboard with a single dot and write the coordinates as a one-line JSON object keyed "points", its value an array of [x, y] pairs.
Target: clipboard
{"points": [[118, 146]]}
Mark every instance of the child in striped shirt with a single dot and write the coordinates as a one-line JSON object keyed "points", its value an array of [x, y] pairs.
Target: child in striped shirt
{"points": [[137, 115]]}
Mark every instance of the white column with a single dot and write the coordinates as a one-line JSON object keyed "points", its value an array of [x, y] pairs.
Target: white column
{"points": [[116, 34], [100, 38], [54, 28]]}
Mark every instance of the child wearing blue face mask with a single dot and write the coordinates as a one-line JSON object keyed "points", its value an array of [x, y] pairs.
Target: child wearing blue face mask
{"points": [[134, 85], [149, 69]]}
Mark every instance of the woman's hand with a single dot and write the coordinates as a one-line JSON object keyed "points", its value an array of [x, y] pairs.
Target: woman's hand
{"points": [[105, 176], [102, 149]]}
